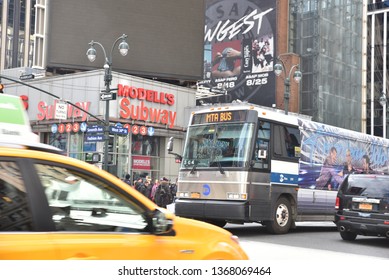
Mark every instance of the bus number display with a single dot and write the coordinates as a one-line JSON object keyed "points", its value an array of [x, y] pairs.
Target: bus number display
{"points": [[218, 117]]}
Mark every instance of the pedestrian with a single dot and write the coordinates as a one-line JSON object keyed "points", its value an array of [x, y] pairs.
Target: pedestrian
{"points": [[139, 185], [127, 179], [173, 188], [148, 188], [154, 189], [163, 195]]}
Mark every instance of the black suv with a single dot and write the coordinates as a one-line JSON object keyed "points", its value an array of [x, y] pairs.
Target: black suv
{"points": [[362, 206]]}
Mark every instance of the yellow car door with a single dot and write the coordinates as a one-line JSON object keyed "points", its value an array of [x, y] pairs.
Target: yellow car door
{"points": [[26, 246], [114, 246], [95, 218]]}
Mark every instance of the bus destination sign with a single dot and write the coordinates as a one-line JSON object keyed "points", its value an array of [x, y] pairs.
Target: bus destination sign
{"points": [[219, 117]]}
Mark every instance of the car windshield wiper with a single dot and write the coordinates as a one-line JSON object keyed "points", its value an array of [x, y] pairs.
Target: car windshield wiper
{"points": [[220, 167], [192, 171]]}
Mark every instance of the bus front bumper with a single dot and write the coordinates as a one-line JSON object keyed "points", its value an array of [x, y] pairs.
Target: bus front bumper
{"points": [[237, 211]]}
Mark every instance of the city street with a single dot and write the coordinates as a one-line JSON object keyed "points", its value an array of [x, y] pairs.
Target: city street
{"points": [[308, 241]]}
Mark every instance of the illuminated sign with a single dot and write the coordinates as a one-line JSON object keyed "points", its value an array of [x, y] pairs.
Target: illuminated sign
{"points": [[222, 116], [140, 108]]}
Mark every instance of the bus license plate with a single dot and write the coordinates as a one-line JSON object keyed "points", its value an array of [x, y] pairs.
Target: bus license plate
{"points": [[365, 206]]}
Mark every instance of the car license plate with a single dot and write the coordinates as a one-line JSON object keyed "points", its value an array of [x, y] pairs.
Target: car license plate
{"points": [[365, 206], [195, 195]]}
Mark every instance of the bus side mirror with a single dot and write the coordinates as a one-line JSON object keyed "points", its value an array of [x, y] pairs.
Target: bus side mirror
{"points": [[170, 144], [170, 150]]}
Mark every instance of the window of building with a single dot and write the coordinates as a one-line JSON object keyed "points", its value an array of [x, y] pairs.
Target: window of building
{"points": [[145, 156]]}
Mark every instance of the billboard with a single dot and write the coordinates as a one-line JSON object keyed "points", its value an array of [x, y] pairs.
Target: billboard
{"points": [[165, 37], [239, 46]]}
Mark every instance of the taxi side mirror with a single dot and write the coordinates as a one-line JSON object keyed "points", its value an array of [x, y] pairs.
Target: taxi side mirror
{"points": [[161, 225]]}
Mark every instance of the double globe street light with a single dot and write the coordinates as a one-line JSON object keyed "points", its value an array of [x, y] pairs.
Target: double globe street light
{"points": [[107, 95], [280, 68]]}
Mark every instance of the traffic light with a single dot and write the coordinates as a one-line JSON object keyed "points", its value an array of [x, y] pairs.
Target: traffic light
{"points": [[1, 88]]}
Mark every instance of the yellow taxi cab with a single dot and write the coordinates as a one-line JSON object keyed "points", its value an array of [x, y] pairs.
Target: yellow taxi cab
{"points": [[54, 207]]}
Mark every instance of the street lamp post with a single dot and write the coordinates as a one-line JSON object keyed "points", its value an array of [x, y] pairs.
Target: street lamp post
{"points": [[279, 68], [106, 94], [383, 104]]}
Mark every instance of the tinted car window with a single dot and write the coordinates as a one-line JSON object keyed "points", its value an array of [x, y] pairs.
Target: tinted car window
{"points": [[372, 186], [15, 214], [82, 203]]}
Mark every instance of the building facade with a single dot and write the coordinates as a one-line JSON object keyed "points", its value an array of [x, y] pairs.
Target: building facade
{"points": [[377, 66], [328, 36], [340, 46], [143, 117]]}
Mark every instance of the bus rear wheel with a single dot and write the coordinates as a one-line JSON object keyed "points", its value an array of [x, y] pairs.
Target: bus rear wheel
{"points": [[282, 217]]}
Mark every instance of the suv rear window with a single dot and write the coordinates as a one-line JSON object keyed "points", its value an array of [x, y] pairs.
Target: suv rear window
{"points": [[366, 185]]}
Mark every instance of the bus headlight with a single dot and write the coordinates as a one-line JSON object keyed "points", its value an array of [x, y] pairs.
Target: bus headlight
{"points": [[182, 194], [237, 195]]}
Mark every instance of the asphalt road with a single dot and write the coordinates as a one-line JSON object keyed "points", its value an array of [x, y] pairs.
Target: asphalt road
{"points": [[306, 241]]}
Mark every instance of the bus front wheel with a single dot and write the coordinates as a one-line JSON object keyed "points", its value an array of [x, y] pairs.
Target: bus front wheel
{"points": [[282, 217]]}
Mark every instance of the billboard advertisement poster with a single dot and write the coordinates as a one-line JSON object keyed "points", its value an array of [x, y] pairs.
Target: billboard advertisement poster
{"points": [[239, 46], [329, 154]]}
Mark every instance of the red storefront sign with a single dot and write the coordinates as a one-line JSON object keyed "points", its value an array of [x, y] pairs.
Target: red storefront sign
{"points": [[141, 162]]}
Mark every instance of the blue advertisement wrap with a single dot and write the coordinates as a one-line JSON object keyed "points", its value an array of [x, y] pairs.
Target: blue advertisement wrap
{"points": [[329, 153]]}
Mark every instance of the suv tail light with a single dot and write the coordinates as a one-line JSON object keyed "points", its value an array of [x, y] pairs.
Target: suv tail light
{"points": [[337, 202]]}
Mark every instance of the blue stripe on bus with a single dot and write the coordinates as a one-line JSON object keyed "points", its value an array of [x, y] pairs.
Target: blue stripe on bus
{"points": [[284, 178]]}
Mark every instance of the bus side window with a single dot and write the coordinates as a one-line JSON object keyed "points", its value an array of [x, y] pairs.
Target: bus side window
{"points": [[292, 141], [262, 146], [286, 141]]}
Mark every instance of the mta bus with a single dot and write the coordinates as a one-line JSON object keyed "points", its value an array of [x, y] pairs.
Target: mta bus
{"points": [[243, 163]]}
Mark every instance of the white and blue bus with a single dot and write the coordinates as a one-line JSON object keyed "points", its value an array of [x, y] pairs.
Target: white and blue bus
{"points": [[244, 163]]}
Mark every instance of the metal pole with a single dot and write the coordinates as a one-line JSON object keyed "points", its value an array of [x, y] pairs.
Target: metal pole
{"points": [[91, 53], [384, 73], [286, 95], [107, 79], [384, 121]]}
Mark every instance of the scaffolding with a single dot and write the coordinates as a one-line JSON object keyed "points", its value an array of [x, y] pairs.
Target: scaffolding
{"points": [[327, 34]]}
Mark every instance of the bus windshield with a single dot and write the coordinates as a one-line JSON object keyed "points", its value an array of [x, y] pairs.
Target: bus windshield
{"points": [[216, 145]]}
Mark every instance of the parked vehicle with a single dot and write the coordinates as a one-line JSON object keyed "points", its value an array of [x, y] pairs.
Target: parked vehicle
{"points": [[362, 205]]}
